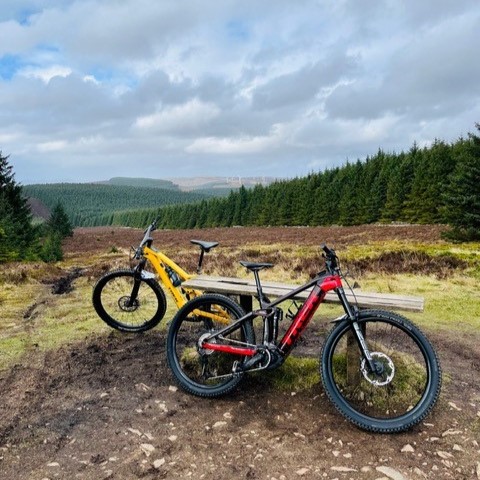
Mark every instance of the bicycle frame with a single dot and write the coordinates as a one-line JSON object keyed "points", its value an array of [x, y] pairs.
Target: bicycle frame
{"points": [[388, 389], [322, 284], [160, 262], [157, 259], [180, 295]]}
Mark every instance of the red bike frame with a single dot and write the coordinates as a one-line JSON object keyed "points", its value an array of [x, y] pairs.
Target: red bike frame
{"points": [[321, 285]]}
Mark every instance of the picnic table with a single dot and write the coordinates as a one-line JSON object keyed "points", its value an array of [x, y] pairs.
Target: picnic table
{"points": [[247, 290]]}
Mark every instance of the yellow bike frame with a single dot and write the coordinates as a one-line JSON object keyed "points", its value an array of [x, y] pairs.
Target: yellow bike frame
{"points": [[180, 295], [157, 259], [161, 264]]}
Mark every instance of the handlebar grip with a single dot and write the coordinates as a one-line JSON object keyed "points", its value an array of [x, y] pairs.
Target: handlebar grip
{"points": [[331, 259], [152, 227]]}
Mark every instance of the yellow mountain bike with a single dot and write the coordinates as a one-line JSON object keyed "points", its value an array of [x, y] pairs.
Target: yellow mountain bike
{"points": [[131, 300]]}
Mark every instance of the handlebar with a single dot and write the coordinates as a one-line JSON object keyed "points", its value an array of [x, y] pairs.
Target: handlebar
{"points": [[147, 238], [331, 259]]}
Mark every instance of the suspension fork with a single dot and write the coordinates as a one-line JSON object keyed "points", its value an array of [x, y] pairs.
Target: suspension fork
{"points": [[359, 332], [137, 277]]}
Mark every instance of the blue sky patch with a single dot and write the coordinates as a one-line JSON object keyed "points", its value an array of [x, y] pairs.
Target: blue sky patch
{"points": [[23, 16], [9, 66], [238, 30]]}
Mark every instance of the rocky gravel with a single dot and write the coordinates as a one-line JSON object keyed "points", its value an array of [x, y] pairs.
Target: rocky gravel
{"points": [[108, 409]]}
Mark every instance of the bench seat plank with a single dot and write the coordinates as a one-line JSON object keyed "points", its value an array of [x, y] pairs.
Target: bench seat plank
{"points": [[246, 287]]}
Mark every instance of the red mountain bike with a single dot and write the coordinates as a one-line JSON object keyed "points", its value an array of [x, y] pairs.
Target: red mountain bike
{"points": [[379, 370]]}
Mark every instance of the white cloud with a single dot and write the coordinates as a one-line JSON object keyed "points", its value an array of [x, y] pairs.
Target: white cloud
{"points": [[91, 78], [236, 86], [46, 74], [53, 146], [6, 138], [237, 145], [178, 119]]}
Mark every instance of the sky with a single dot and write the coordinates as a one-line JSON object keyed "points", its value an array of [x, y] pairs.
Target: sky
{"points": [[93, 89]]}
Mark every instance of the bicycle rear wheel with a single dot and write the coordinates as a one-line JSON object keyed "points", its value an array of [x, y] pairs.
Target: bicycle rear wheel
{"points": [[113, 302], [206, 373], [407, 381]]}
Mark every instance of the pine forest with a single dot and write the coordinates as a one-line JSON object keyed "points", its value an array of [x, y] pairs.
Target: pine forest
{"points": [[93, 204], [435, 184]]}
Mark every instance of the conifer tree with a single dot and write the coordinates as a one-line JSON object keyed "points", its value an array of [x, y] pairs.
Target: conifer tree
{"points": [[398, 188], [17, 236], [350, 202], [51, 250], [462, 198], [59, 222]]}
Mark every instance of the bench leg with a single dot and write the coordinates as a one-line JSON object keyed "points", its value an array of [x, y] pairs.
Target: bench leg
{"points": [[353, 361], [354, 375], [246, 302]]}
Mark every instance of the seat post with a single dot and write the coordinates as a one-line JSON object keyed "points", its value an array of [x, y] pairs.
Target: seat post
{"points": [[259, 287], [200, 261]]}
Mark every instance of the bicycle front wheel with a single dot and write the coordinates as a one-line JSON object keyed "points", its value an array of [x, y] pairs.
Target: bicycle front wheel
{"points": [[127, 303], [206, 373], [405, 385]]}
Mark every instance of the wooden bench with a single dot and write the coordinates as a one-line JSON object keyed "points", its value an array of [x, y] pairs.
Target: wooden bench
{"points": [[247, 289]]}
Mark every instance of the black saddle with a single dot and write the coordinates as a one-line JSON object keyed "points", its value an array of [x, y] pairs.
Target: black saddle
{"points": [[255, 267], [205, 246]]}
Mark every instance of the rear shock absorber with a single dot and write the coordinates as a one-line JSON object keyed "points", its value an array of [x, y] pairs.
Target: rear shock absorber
{"points": [[276, 318], [271, 320]]}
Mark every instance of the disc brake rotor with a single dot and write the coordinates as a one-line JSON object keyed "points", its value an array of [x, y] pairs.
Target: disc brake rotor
{"points": [[123, 303], [385, 369]]}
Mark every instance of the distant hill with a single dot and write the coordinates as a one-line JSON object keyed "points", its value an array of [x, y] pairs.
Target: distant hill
{"points": [[223, 183], [140, 182], [91, 204], [189, 184], [86, 203]]}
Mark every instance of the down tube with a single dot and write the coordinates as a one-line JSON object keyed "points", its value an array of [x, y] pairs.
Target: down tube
{"points": [[301, 319]]}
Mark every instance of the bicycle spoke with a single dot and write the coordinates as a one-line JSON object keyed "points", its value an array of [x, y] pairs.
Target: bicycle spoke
{"points": [[114, 303], [117, 302], [204, 371]]}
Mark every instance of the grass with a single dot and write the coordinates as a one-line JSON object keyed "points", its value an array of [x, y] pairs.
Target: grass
{"points": [[469, 253], [53, 323], [296, 374], [12, 350], [451, 302], [69, 319]]}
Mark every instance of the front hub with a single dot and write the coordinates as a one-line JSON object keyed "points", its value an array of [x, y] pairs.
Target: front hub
{"points": [[126, 304], [384, 369]]}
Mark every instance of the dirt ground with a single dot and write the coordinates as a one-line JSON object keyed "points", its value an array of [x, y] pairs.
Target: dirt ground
{"points": [[108, 408]]}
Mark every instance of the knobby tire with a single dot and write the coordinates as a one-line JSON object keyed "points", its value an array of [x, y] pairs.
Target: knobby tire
{"points": [[408, 387], [195, 370], [111, 295]]}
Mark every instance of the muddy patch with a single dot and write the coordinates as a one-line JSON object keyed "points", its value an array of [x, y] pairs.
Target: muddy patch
{"points": [[64, 284]]}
